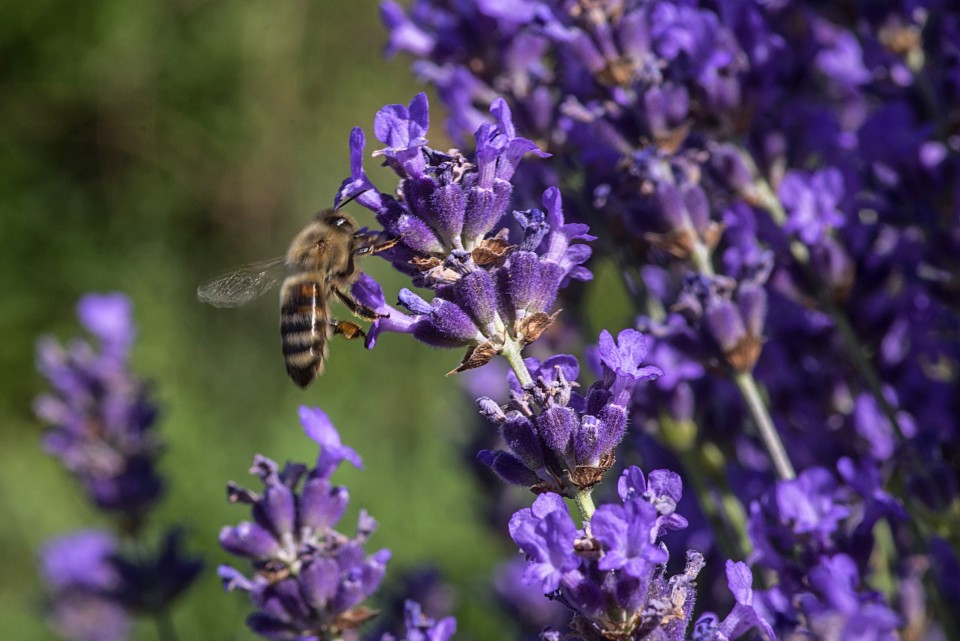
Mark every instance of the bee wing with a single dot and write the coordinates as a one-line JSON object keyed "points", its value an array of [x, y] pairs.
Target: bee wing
{"points": [[244, 284]]}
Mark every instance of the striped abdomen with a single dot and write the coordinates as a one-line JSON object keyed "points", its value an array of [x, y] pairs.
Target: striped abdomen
{"points": [[304, 328]]}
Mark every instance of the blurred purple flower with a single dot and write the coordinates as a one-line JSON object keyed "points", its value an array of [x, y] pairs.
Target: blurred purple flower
{"points": [[420, 627], [99, 414]]}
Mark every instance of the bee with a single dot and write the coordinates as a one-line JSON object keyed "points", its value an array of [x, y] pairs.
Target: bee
{"points": [[320, 263]]}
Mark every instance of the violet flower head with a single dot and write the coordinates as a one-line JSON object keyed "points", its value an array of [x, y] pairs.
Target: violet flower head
{"points": [[99, 413], [95, 587], [559, 441], [611, 575], [493, 287], [82, 582], [308, 580], [729, 317], [797, 519]]}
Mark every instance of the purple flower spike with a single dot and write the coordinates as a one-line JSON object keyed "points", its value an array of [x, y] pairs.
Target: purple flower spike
{"points": [[99, 414], [490, 289], [577, 435], [611, 573], [318, 426], [308, 579]]}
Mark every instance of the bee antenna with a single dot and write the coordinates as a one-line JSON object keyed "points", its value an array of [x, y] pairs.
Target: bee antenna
{"points": [[351, 199]]}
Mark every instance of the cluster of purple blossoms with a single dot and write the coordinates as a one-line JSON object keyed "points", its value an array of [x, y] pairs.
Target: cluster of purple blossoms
{"points": [[612, 572], [101, 428], [309, 581], [816, 534], [777, 182], [558, 440], [100, 415], [82, 582], [493, 288]]}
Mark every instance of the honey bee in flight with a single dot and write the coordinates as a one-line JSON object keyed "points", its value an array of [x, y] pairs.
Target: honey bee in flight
{"points": [[320, 263]]}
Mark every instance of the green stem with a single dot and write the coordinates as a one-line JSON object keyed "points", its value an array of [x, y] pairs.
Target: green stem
{"points": [[768, 433], [768, 200], [585, 503], [862, 365], [164, 623], [700, 259], [704, 465], [511, 352]]}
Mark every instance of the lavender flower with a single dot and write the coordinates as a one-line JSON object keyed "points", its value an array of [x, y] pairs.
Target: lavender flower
{"points": [[493, 289], [100, 415], [308, 580], [611, 574], [807, 530], [560, 441], [101, 422], [83, 580], [783, 207], [95, 586]]}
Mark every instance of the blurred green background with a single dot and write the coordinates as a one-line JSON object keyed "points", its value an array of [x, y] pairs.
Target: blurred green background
{"points": [[146, 146]]}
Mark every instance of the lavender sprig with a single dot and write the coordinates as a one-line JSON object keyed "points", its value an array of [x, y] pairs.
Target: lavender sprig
{"points": [[493, 289], [611, 573], [100, 415], [558, 440], [101, 426], [308, 580]]}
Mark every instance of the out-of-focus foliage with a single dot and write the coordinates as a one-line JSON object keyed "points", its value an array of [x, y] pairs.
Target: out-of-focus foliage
{"points": [[144, 147]]}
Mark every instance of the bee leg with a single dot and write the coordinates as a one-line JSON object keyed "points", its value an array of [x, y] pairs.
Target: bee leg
{"points": [[347, 329], [356, 307], [368, 245]]}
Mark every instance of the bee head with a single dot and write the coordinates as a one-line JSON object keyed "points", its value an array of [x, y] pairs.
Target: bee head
{"points": [[326, 239], [337, 221]]}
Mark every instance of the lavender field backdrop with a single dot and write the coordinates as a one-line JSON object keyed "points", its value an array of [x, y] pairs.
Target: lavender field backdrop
{"points": [[668, 334]]}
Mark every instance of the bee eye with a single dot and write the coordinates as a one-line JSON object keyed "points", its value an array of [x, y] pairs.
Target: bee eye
{"points": [[338, 221]]}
